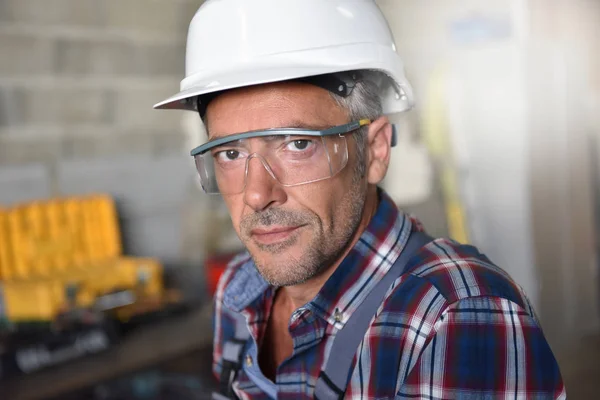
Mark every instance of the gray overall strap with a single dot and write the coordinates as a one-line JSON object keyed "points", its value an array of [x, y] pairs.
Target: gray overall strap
{"points": [[333, 379], [233, 353]]}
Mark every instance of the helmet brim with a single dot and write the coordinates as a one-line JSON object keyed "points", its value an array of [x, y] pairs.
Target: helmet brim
{"points": [[283, 67]]}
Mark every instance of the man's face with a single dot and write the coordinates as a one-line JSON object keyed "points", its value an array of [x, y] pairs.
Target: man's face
{"points": [[292, 233]]}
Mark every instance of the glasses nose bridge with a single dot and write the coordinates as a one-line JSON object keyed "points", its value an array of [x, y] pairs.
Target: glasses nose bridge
{"points": [[264, 163]]}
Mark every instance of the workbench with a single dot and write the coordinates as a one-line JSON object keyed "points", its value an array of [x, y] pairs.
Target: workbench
{"points": [[143, 348]]}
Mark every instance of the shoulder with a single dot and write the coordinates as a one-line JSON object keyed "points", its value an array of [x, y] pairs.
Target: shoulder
{"points": [[445, 272], [460, 271]]}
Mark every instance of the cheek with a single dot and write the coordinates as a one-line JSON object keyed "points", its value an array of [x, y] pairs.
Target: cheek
{"points": [[322, 199], [235, 206]]}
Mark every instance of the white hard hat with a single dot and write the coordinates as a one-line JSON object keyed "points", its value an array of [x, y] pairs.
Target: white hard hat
{"points": [[237, 43]]}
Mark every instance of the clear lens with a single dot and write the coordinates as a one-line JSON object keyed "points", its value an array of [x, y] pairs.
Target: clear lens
{"points": [[290, 159]]}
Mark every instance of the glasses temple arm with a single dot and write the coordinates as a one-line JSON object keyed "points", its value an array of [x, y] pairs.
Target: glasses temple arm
{"points": [[394, 135]]}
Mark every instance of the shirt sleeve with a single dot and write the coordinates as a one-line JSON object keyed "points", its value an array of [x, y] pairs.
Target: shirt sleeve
{"points": [[484, 348]]}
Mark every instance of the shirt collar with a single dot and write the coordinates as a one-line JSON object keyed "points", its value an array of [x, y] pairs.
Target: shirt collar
{"points": [[365, 265], [246, 286]]}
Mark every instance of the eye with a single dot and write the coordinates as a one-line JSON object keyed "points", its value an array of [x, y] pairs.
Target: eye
{"points": [[227, 155], [299, 145]]}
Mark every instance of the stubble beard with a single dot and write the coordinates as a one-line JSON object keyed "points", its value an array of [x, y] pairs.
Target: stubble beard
{"points": [[326, 245]]}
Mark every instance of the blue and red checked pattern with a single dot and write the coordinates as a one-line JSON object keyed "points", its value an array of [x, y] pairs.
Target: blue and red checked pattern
{"points": [[455, 326]]}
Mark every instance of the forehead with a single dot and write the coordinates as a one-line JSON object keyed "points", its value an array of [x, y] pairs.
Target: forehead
{"points": [[279, 105]]}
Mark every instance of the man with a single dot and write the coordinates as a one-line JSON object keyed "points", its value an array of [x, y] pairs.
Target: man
{"points": [[340, 294]]}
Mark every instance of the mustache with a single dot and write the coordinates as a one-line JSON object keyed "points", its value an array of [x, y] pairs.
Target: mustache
{"points": [[273, 216]]}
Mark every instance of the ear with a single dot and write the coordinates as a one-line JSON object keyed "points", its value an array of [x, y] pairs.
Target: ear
{"points": [[379, 139]]}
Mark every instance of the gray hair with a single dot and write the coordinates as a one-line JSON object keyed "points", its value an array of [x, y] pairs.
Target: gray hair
{"points": [[363, 103]]}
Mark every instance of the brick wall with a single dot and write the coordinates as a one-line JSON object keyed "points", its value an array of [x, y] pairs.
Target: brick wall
{"points": [[78, 79]]}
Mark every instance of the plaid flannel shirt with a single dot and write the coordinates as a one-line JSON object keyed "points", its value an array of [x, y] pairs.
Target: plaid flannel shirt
{"points": [[454, 326]]}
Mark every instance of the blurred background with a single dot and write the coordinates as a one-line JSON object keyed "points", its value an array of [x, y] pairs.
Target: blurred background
{"points": [[502, 151]]}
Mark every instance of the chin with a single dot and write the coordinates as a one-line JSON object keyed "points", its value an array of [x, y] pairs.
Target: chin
{"points": [[283, 269]]}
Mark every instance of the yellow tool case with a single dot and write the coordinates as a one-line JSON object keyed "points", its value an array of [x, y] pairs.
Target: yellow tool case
{"points": [[66, 253]]}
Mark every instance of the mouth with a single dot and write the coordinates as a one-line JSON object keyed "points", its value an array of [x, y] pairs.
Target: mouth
{"points": [[273, 235]]}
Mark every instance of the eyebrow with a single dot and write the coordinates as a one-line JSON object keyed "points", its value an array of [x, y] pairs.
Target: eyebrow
{"points": [[267, 139], [294, 124], [309, 126], [232, 144]]}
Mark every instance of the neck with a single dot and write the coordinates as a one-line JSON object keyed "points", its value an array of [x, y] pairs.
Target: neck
{"points": [[298, 295]]}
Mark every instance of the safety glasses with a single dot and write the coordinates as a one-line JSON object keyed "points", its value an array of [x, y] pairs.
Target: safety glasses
{"points": [[291, 156]]}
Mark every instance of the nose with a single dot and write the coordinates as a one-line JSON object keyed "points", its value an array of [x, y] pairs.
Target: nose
{"points": [[261, 188]]}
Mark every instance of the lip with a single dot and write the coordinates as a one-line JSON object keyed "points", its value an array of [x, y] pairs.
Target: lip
{"points": [[273, 234]]}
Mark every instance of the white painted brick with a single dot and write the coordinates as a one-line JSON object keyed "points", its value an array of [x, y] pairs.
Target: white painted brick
{"points": [[54, 12], [122, 142], [162, 59], [78, 79], [66, 106], [146, 15], [11, 106], [25, 55], [23, 183], [115, 144], [188, 10], [18, 151], [133, 108], [133, 179], [90, 57], [173, 143], [116, 57]]}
